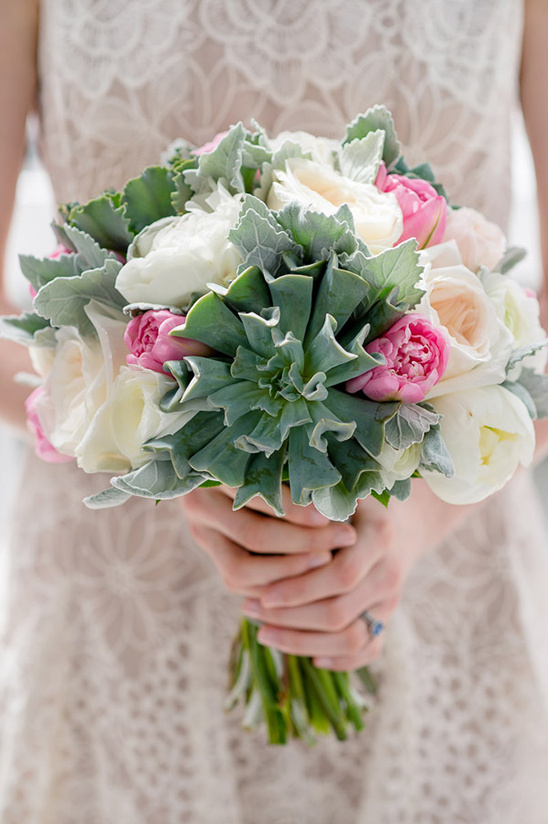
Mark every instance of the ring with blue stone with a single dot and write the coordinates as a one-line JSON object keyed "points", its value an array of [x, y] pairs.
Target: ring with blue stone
{"points": [[374, 626]]}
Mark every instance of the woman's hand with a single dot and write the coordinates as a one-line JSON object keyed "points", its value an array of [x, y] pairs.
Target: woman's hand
{"points": [[252, 548], [317, 614]]}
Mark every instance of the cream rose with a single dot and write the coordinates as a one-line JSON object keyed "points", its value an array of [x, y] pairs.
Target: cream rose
{"points": [[519, 311], [457, 303], [178, 256], [377, 215], [488, 433], [78, 379], [480, 242], [129, 417]]}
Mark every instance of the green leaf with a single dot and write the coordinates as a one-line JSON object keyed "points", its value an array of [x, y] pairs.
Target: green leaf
{"points": [[209, 375], [340, 292], [360, 159], [351, 460], [511, 258], [248, 292], [435, 456], [309, 469], [193, 436], [236, 398], [519, 355], [537, 388], [107, 498], [156, 479], [148, 198], [23, 328], [369, 416], [293, 295], [89, 253], [401, 490], [263, 477], [319, 234], [63, 301], [378, 117], [325, 352], [409, 425], [396, 268], [259, 238], [103, 218], [40, 271], [222, 165], [220, 458], [211, 322]]}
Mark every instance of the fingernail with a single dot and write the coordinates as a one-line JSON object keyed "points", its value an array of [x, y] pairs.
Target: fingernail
{"points": [[319, 560], [323, 663], [267, 636], [346, 536], [251, 608]]}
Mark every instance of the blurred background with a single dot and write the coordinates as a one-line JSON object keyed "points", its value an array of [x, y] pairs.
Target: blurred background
{"points": [[31, 234]]}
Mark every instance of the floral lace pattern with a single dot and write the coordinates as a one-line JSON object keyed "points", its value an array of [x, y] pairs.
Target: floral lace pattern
{"points": [[112, 673]]}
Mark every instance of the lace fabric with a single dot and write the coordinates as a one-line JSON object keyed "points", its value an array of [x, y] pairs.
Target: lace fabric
{"points": [[114, 651]]}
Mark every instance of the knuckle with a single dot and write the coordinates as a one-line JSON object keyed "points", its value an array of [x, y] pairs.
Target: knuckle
{"points": [[392, 578], [348, 572], [356, 638], [336, 615]]}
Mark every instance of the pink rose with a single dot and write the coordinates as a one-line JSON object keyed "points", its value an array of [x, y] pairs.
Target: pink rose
{"points": [[212, 144], [424, 211], [150, 344], [416, 356], [43, 448]]}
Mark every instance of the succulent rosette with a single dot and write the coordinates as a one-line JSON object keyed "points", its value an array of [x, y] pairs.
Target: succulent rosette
{"points": [[297, 311]]}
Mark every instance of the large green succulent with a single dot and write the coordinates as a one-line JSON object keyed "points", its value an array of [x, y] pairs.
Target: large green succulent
{"points": [[288, 333]]}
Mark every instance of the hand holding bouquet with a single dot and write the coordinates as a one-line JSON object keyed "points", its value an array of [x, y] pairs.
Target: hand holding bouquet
{"points": [[293, 311]]}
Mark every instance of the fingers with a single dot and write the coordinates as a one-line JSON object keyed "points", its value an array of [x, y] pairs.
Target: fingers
{"points": [[345, 573], [258, 533], [303, 515], [244, 573]]}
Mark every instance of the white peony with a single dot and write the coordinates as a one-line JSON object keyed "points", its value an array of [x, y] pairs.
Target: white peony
{"points": [[129, 417], [488, 433], [519, 310], [178, 256], [77, 381], [457, 303], [480, 242], [377, 215]]}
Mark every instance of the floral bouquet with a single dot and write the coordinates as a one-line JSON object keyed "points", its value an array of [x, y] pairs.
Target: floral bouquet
{"points": [[259, 312]]}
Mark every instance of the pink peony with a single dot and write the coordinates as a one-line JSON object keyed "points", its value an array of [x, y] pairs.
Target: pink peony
{"points": [[212, 144], [43, 448], [424, 211], [416, 356], [150, 344]]}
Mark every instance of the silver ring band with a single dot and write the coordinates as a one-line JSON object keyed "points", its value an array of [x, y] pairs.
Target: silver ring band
{"points": [[374, 626]]}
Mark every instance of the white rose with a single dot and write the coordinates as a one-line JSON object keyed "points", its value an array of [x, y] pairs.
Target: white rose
{"points": [[178, 256], [480, 242], [398, 465], [377, 215], [130, 416], [457, 303], [520, 313], [77, 382], [488, 433]]}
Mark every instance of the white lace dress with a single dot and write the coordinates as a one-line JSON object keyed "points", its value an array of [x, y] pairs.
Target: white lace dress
{"points": [[112, 670]]}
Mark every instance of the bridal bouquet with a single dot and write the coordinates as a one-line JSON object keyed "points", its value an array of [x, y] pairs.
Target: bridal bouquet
{"points": [[300, 311]]}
